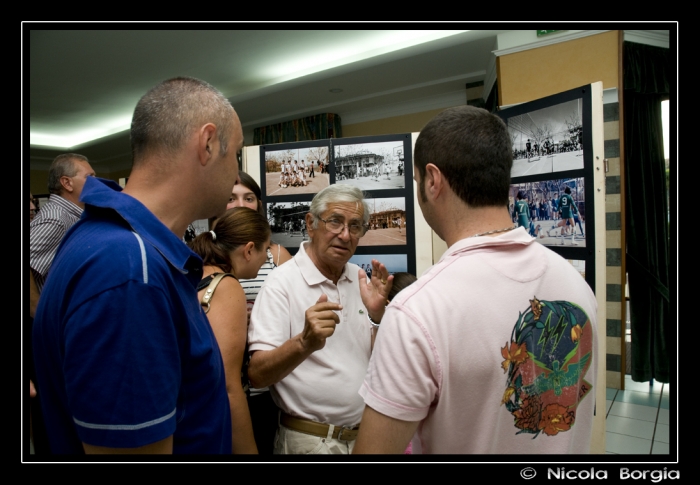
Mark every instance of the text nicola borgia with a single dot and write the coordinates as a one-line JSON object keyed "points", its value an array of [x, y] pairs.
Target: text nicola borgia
{"points": [[654, 476]]}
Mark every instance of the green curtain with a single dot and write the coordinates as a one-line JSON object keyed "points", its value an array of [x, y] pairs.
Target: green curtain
{"points": [[646, 84], [316, 127]]}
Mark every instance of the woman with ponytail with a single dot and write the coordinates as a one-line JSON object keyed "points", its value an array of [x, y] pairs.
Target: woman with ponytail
{"points": [[263, 410], [236, 247]]}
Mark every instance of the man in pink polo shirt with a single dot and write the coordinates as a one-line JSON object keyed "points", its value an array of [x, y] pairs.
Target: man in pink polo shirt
{"points": [[493, 349]]}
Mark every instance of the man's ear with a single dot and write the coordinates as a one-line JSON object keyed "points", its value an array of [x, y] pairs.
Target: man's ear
{"points": [[435, 182], [67, 183], [206, 141], [309, 219]]}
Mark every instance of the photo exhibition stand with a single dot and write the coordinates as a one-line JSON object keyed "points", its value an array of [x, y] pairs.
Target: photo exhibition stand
{"points": [[557, 144], [558, 149], [291, 174]]}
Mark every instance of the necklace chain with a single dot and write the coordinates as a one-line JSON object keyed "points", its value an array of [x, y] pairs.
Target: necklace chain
{"points": [[495, 231]]}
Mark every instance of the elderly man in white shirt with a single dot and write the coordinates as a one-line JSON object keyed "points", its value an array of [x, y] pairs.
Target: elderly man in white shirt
{"points": [[311, 331]]}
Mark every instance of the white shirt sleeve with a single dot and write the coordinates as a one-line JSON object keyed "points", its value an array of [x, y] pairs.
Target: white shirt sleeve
{"points": [[270, 319]]}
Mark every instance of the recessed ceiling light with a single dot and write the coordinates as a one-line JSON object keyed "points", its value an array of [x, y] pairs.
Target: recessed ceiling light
{"points": [[336, 90]]}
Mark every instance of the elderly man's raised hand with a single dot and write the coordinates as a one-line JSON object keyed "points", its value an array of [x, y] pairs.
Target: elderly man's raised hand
{"points": [[374, 292], [319, 323]]}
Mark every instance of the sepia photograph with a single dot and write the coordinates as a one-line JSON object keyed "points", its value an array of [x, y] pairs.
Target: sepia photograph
{"points": [[387, 222], [287, 222], [552, 211], [547, 140], [371, 166], [395, 263], [295, 171]]}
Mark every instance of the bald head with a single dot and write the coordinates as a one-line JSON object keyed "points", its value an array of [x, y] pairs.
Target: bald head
{"points": [[167, 115]]}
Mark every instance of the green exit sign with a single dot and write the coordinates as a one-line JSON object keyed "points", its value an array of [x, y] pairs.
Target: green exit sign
{"points": [[545, 32]]}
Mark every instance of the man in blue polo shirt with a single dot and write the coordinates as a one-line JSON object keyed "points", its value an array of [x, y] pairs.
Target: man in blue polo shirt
{"points": [[126, 359]]}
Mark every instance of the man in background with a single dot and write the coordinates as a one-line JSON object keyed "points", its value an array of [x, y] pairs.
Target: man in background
{"points": [[126, 359], [67, 175], [488, 352], [567, 209], [528, 148], [522, 210]]}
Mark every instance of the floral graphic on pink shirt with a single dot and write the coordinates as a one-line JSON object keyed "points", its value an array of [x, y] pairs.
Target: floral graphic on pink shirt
{"points": [[545, 360], [513, 355]]}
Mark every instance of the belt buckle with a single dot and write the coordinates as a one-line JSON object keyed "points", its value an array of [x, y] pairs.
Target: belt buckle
{"points": [[342, 429], [340, 432]]}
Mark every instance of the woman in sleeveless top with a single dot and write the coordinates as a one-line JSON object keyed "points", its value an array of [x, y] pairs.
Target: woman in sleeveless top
{"points": [[237, 246], [262, 409]]}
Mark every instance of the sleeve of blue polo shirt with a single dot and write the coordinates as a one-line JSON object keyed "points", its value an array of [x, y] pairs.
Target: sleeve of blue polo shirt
{"points": [[122, 367]]}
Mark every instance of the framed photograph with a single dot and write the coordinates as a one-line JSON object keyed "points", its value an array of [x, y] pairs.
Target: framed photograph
{"points": [[293, 169], [387, 222], [395, 263], [372, 165], [287, 222], [548, 140], [546, 201]]}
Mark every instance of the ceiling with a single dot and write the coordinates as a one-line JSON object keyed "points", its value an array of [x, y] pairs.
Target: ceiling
{"points": [[84, 84]]}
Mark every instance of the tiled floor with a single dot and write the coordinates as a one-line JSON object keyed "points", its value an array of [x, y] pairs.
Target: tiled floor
{"points": [[637, 419]]}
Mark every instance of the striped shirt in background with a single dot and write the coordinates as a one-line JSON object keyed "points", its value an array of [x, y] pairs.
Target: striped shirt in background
{"points": [[45, 233], [252, 288]]}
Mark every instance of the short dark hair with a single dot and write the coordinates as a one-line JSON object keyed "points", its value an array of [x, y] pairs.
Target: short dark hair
{"points": [[249, 183], [520, 195], [473, 150], [401, 281], [166, 115], [63, 166], [567, 190], [237, 227]]}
